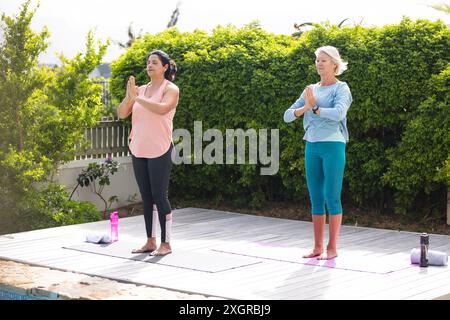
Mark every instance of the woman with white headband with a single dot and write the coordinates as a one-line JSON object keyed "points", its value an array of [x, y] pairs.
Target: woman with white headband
{"points": [[324, 107]]}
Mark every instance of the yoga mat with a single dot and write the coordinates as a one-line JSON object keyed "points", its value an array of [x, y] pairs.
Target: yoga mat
{"points": [[435, 258], [182, 259], [345, 260]]}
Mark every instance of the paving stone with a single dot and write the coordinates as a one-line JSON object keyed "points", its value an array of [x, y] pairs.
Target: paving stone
{"points": [[45, 283]]}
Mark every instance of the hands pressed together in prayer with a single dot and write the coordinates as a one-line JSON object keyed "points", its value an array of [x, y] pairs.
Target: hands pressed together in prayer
{"points": [[132, 89], [310, 100]]}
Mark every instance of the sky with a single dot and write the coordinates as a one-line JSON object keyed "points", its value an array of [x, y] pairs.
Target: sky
{"points": [[69, 21]]}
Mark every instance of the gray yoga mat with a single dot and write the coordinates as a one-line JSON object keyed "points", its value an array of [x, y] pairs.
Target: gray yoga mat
{"points": [[345, 260], [211, 262]]}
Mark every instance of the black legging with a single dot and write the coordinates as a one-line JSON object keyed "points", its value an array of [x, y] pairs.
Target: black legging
{"points": [[152, 176]]}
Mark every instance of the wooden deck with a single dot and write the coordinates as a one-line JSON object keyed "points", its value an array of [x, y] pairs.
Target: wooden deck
{"points": [[204, 231]]}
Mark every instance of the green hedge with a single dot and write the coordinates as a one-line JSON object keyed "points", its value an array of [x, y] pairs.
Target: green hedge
{"points": [[246, 78]]}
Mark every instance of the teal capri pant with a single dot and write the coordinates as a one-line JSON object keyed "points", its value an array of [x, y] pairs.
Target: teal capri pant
{"points": [[325, 163]]}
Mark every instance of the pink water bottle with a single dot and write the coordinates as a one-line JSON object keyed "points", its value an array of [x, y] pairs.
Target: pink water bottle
{"points": [[114, 222]]}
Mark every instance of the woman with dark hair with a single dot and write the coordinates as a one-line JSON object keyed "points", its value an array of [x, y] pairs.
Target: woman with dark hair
{"points": [[153, 107]]}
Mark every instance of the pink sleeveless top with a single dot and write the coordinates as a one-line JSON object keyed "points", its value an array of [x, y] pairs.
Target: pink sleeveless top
{"points": [[151, 133]]}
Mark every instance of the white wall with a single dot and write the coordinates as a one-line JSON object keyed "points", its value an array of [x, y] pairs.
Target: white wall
{"points": [[123, 183]]}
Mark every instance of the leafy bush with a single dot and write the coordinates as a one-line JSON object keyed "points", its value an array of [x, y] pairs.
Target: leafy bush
{"points": [[43, 117], [95, 171], [246, 78], [57, 207], [418, 162]]}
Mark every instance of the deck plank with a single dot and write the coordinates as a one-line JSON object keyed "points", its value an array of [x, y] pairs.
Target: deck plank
{"points": [[202, 230]]}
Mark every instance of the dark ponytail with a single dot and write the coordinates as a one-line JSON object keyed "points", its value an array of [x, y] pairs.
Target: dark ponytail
{"points": [[165, 59], [171, 71]]}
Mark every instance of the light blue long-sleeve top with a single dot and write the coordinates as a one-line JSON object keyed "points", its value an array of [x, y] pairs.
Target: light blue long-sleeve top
{"points": [[331, 124]]}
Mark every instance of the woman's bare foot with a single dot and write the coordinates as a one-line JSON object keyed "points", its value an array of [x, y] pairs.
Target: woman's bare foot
{"points": [[313, 253], [163, 249], [330, 254], [150, 246]]}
